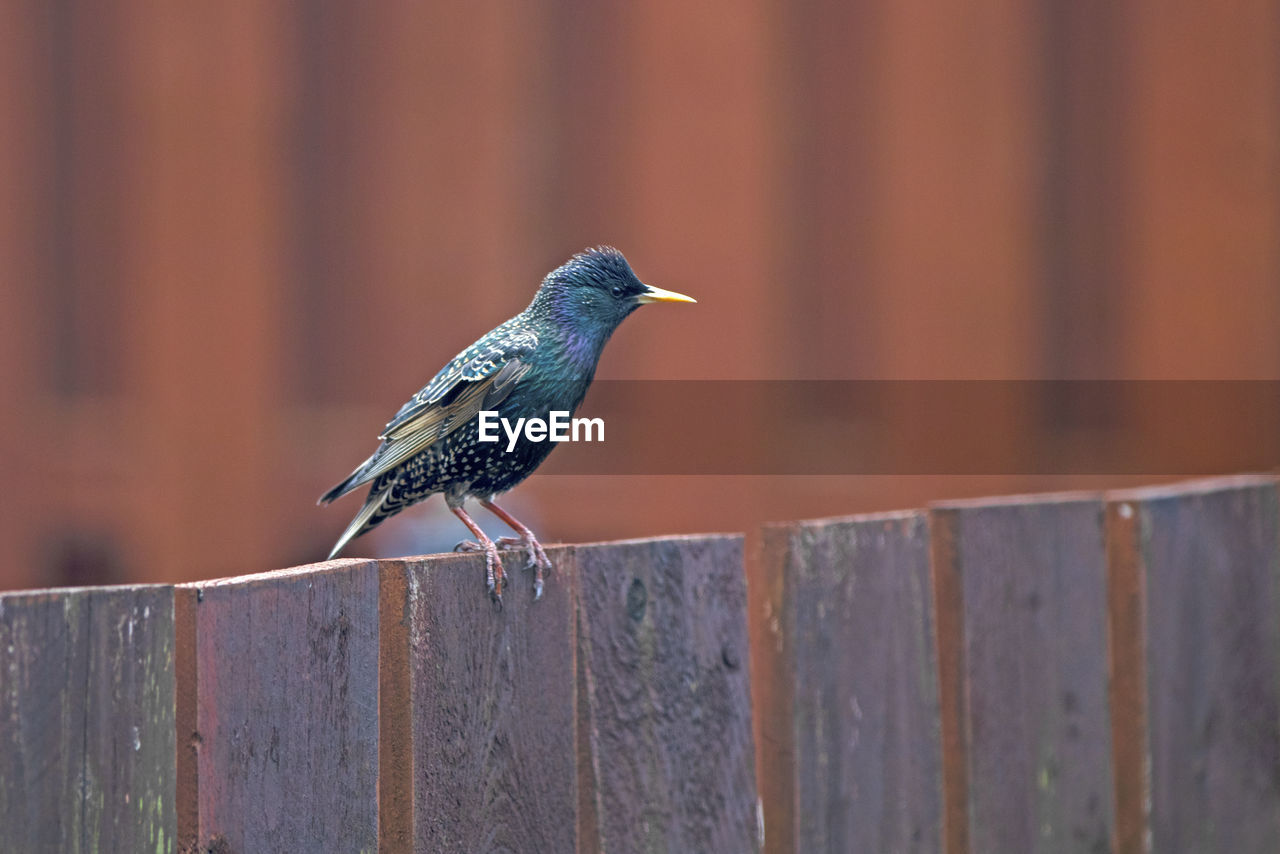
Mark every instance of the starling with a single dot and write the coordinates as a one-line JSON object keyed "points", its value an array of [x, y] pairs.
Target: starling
{"points": [[540, 361]]}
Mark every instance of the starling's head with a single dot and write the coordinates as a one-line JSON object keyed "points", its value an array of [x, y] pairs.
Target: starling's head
{"points": [[595, 290]]}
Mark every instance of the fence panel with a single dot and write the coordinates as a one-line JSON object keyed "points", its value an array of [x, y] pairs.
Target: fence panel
{"points": [[1036, 674], [285, 730], [856, 601], [86, 720], [1201, 570], [1030, 770], [668, 706], [492, 698]]}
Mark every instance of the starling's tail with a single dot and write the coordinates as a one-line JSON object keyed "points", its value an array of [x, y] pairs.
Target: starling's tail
{"points": [[352, 481], [368, 517]]}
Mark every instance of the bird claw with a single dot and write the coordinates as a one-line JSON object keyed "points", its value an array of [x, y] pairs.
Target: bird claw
{"points": [[537, 561], [494, 574]]}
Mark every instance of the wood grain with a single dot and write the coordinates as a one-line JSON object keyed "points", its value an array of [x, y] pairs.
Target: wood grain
{"points": [[86, 720], [868, 772], [1035, 720], [772, 634], [493, 707], [948, 598], [286, 729], [1127, 657], [1209, 565], [665, 660]]}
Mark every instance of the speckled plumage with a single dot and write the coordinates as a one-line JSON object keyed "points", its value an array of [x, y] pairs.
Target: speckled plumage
{"points": [[541, 360]]}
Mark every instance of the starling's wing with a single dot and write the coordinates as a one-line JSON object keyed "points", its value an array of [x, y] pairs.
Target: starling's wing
{"points": [[492, 364], [479, 378]]}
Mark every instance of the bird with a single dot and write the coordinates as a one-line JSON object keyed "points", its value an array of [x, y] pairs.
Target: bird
{"points": [[540, 361]]}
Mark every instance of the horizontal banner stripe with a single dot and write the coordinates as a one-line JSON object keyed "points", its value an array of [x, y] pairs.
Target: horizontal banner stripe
{"points": [[943, 427]]}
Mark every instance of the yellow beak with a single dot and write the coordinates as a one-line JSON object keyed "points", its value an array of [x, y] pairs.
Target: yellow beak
{"points": [[659, 295]]}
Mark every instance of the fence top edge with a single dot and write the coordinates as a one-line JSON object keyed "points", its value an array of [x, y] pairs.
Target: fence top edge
{"points": [[664, 538], [1197, 487], [904, 515], [92, 590], [1033, 499], [272, 574]]}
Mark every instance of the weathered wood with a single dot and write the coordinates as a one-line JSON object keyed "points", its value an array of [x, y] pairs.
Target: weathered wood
{"points": [[86, 720], [948, 610], [772, 634], [1034, 717], [493, 706], [665, 661], [868, 767], [395, 713], [286, 724], [1127, 658], [1208, 579]]}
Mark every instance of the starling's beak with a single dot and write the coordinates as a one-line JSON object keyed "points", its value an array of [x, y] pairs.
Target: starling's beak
{"points": [[653, 294]]}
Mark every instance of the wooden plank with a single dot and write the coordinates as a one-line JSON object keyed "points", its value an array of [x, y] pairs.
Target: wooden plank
{"points": [[493, 750], [665, 654], [395, 713], [772, 634], [1036, 740], [86, 720], [868, 764], [1128, 684], [952, 700], [1206, 561], [286, 725]]}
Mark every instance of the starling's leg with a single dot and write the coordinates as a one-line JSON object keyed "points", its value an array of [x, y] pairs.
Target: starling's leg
{"points": [[493, 572], [537, 556]]}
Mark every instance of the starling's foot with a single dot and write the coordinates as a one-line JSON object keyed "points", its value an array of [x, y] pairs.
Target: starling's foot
{"points": [[494, 575], [539, 561]]}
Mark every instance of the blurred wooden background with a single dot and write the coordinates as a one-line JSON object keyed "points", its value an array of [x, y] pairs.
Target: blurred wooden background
{"points": [[235, 237]]}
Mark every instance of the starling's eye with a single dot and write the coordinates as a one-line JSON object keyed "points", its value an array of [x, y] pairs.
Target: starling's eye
{"points": [[617, 290]]}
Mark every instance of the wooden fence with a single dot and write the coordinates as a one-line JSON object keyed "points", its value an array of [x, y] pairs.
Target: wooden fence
{"points": [[1061, 673]]}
